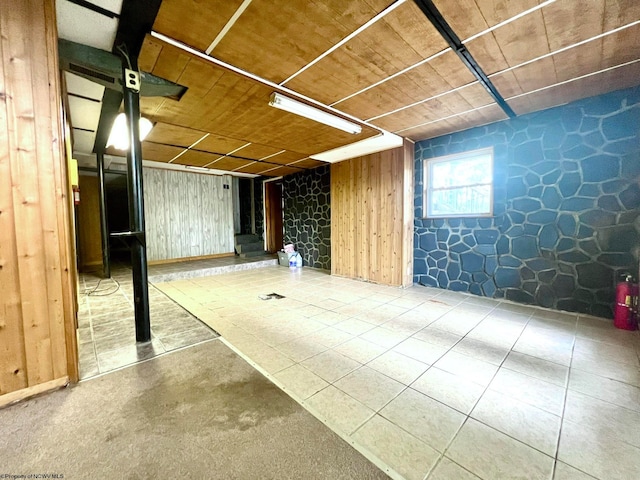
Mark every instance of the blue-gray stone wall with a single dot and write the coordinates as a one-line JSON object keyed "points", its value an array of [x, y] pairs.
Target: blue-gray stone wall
{"points": [[566, 208], [307, 215], [258, 202]]}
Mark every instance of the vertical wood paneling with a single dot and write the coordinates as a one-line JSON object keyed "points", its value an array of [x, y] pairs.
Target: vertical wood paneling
{"points": [[235, 187], [372, 217], [408, 213], [12, 374], [205, 225], [37, 312], [174, 238], [26, 198], [68, 274], [187, 214]]}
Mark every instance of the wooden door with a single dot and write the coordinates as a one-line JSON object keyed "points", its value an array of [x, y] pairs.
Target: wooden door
{"points": [[89, 233], [273, 215]]}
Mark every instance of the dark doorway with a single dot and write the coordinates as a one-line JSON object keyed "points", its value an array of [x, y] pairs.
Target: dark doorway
{"points": [[245, 185], [118, 216]]}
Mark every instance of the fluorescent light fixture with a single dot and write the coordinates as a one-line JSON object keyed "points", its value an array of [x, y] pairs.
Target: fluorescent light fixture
{"points": [[119, 136], [298, 108], [367, 146]]}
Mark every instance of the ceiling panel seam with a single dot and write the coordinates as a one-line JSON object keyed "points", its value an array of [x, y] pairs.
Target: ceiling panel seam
{"points": [[346, 39], [528, 62], [426, 60], [189, 147], [234, 18], [608, 69], [508, 20], [244, 166], [298, 161], [445, 118], [564, 49], [272, 155], [391, 77], [228, 154], [521, 95], [263, 81], [442, 94]]}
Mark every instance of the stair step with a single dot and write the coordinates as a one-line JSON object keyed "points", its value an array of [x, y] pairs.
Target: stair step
{"points": [[242, 239], [252, 254], [250, 247]]}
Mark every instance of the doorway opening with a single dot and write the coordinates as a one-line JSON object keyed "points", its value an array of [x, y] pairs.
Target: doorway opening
{"points": [[273, 216]]}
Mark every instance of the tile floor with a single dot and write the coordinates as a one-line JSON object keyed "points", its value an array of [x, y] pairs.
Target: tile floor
{"points": [[106, 326], [435, 384]]}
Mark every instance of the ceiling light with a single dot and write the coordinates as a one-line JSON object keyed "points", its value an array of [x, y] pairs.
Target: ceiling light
{"points": [[298, 108], [119, 136]]}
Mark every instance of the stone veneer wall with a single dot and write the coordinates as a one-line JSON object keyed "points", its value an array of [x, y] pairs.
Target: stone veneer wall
{"points": [[307, 215], [258, 185], [566, 208]]}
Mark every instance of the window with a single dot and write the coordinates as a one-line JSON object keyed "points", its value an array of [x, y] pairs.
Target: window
{"points": [[459, 185]]}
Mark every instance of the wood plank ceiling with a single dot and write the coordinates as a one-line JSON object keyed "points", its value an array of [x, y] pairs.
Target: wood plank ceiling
{"points": [[376, 60]]}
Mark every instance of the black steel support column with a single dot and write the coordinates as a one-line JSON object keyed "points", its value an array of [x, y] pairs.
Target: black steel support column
{"points": [[104, 225], [136, 206]]}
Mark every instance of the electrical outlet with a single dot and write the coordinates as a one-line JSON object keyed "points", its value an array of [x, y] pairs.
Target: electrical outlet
{"points": [[132, 79], [226, 186]]}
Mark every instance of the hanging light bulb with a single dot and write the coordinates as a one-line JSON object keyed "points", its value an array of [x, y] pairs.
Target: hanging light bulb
{"points": [[119, 136]]}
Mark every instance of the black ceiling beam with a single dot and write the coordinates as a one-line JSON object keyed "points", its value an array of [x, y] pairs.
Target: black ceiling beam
{"points": [[95, 8], [136, 20], [105, 68], [111, 100], [438, 21]]}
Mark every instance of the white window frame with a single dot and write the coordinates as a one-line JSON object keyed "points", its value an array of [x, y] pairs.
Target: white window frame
{"points": [[429, 162]]}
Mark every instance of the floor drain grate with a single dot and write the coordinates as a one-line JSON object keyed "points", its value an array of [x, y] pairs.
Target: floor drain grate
{"points": [[269, 296]]}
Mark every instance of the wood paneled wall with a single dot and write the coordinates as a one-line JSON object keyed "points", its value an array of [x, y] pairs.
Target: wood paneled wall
{"points": [[187, 214], [89, 234], [372, 217], [37, 324]]}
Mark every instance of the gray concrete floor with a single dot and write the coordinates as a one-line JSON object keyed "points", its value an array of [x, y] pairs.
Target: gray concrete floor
{"points": [[197, 413], [106, 324]]}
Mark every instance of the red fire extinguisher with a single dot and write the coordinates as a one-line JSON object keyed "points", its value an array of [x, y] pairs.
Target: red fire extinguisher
{"points": [[626, 307]]}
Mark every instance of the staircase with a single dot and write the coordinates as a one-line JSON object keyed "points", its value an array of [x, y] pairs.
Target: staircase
{"points": [[249, 246]]}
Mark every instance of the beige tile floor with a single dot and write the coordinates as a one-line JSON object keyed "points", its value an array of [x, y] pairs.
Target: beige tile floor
{"points": [[436, 384]]}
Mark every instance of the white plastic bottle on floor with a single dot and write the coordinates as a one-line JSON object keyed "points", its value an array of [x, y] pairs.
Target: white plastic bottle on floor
{"points": [[298, 260]]}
